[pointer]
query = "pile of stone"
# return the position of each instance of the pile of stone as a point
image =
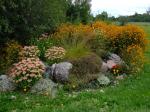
(59, 73)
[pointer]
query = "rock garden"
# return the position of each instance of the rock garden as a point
(73, 58)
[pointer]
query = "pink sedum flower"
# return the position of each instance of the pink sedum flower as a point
(55, 53)
(27, 71)
(29, 52)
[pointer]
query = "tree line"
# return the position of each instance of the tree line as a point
(145, 17)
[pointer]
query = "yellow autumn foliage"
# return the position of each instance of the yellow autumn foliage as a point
(121, 37)
(134, 57)
(9, 55)
(128, 41)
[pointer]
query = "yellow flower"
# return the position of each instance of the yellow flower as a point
(73, 86)
(117, 71)
(46, 94)
(24, 89)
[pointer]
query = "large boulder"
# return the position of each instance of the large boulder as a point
(60, 72)
(112, 60)
(45, 87)
(110, 64)
(6, 84)
(116, 59)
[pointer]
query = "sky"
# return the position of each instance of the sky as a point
(120, 7)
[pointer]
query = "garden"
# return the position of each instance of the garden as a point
(75, 58)
(73, 66)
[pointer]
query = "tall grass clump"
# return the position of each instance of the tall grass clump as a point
(80, 39)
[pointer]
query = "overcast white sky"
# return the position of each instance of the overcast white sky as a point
(120, 7)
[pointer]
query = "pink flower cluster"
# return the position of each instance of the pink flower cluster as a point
(55, 53)
(29, 52)
(27, 70)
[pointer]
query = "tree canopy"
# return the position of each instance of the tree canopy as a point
(78, 11)
(22, 19)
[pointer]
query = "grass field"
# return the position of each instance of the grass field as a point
(131, 95)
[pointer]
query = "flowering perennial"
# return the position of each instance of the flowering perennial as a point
(29, 52)
(136, 57)
(55, 53)
(26, 72)
(116, 70)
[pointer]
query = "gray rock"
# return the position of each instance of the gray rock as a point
(116, 59)
(60, 72)
(103, 80)
(104, 67)
(45, 87)
(6, 84)
(110, 64)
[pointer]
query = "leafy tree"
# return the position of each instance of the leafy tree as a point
(135, 18)
(123, 20)
(22, 19)
(112, 18)
(85, 11)
(103, 16)
(78, 11)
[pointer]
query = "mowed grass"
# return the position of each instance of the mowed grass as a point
(131, 95)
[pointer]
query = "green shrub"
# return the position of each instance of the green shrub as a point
(85, 69)
(76, 52)
(29, 18)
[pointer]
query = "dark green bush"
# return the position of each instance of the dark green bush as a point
(22, 19)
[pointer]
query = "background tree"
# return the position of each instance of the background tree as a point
(22, 19)
(123, 20)
(103, 16)
(79, 11)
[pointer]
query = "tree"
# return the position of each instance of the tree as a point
(123, 20)
(79, 11)
(103, 16)
(22, 19)
(85, 11)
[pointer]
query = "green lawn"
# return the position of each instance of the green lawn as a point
(131, 95)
